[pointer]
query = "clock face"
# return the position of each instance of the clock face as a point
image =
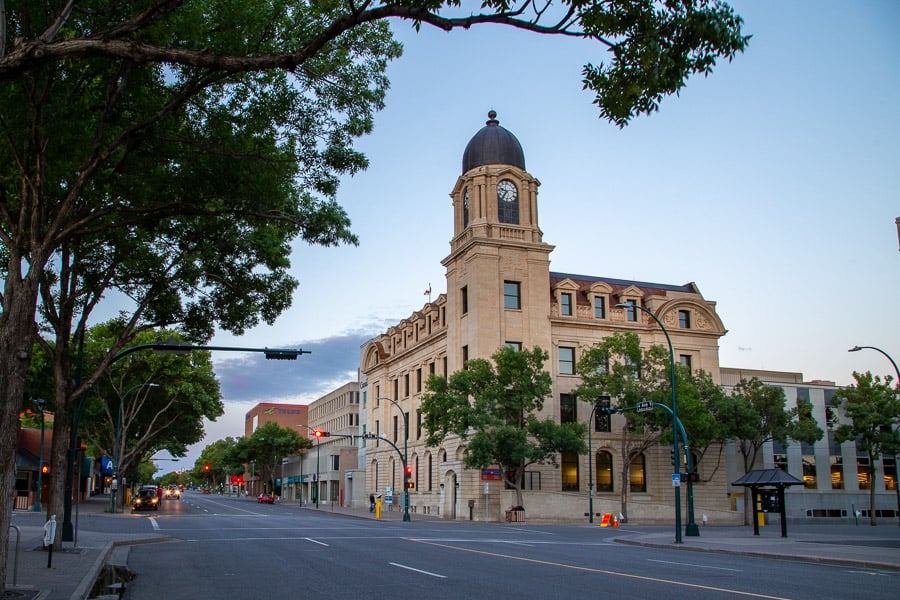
(506, 191)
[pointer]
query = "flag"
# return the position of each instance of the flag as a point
(428, 291)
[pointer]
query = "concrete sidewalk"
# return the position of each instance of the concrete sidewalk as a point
(861, 546)
(73, 572)
(32, 573)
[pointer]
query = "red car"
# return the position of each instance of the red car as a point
(265, 499)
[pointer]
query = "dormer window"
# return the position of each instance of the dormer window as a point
(599, 307)
(631, 310)
(565, 304)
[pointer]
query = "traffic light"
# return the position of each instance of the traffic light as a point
(45, 469)
(281, 354)
(409, 470)
(206, 467)
(320, 434)
(672, 456)
(410, 485)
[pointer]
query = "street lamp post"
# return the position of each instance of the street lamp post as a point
(405, 416)
(677, 466)
(117, 450)
(897, 371)
(37, 501)
(590, 465)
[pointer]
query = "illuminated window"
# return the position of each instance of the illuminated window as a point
(569, 471)
(837, 473)
(637, 479)
(604, 471)
(809, 472)
(863, 474)
(889, 465)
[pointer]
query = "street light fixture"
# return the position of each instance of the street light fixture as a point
(405, 416)
(897, 371)
(677, 462)
(37, 501)
(117, 449)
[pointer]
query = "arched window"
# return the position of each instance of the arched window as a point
(604, 471)
(508, 202)
(637, 476)
(466, 207)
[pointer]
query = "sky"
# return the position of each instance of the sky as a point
(772, 184)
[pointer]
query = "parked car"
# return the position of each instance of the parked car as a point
(145, 499)
(173, 492)
(265, 499)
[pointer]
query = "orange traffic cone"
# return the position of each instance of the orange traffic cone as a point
(615, 521)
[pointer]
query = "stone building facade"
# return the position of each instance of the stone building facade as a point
(501, 291)
(325, 473)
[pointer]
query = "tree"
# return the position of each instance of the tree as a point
(618, 369)
(873, 408)
(266, 447)
(167, 417)
(493, 407)
(215, 460)
(754, 414)
(235, 118)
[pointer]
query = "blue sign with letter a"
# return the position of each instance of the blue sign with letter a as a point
(106, 465)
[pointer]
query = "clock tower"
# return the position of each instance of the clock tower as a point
(498, 270)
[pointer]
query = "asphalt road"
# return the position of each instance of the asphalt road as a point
(221, 547)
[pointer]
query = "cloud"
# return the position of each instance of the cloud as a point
(332, 362)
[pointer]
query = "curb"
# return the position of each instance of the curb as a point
(87, 582)
(839, 562)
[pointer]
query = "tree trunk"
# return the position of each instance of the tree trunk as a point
(16, 339)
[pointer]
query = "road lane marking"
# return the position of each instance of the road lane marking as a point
(418, 570)
(154, 524)
(605, 572)
(315, 542)
(693, 565)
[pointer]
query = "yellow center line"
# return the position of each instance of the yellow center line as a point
(604, 572)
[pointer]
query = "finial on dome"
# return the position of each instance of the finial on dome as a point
(492, 118)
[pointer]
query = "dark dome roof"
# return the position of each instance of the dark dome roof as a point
(493, 145)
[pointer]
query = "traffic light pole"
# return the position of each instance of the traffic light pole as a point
(691, 530)
(372, 436)
(68, 531)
